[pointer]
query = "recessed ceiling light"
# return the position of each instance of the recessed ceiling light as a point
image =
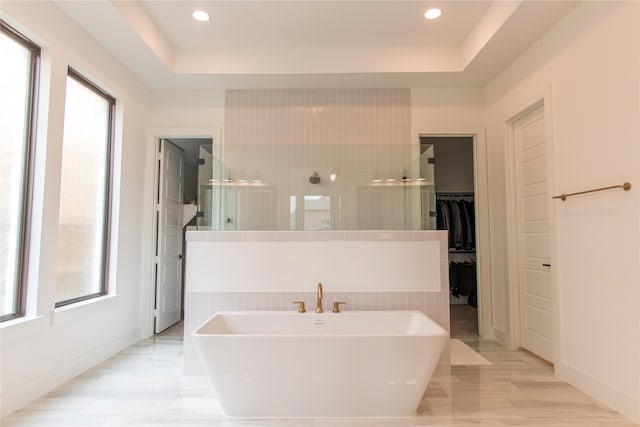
(200, 15)
(432, 13)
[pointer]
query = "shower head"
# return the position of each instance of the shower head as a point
(314, 178)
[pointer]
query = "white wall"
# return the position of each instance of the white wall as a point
(454, 164)
(589, 63)
(446, 111)
(49, 347)
(362, 261)
(187, 109)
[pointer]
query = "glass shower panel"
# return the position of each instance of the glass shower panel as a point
(205, 174)
(428, 189)
(317, 213)
(318, 187)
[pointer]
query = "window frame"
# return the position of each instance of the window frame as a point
(20, 294)
(108, 190)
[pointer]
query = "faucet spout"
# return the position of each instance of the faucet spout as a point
(319, 304)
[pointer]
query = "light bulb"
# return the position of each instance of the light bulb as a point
(432, 13)
(200, 15)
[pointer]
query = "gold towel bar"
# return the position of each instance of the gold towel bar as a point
(626, 187)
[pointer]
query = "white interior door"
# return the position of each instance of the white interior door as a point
(168, 295)
(536, 334)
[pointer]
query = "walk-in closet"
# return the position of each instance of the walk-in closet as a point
(455, 212)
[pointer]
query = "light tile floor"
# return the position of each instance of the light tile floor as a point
(143, 386)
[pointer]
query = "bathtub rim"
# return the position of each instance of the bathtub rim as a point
(439, 330)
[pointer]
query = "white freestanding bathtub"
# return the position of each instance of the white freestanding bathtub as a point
(349, 364)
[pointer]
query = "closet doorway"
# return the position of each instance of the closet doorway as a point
(456, 212)
(181, 171)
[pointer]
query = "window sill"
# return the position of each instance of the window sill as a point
(104, 299)
(23, 328)
(19, 321)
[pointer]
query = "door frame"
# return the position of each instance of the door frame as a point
(518, 111)
(483, 247)
(164, 146)
(149, 234)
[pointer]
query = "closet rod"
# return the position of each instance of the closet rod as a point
(454, 194)
(626, 187)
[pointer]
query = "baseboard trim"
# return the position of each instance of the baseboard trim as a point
(619, 401)
(26, 393)
(501, 337)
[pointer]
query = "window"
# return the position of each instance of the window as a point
(18, 77)
(84, 192)
(317, 213)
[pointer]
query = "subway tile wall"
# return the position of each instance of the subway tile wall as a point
(199, 306)
(318, 116)
(280, 137)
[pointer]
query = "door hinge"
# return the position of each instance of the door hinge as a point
(201, 161)
(431, 160)
(155, 312)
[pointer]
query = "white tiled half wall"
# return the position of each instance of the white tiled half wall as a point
(200, 306)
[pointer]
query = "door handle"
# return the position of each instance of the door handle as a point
(546, 265)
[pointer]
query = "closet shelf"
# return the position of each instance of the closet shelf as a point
(462, 251)
(454, 194)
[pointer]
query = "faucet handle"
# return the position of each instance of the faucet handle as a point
(301, 308)
(336, 306)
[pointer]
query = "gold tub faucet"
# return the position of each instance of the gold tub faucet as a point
(319, 305)
(301, 308)
(336, 306)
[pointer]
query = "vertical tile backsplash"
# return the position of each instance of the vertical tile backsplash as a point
(318, 116)
(199, 306)
(274, 140)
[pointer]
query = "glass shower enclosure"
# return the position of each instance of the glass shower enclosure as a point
(316, 187)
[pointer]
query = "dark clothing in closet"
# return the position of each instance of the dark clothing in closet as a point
(458, 217)
(463, 281)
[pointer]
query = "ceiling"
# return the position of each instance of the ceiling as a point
(242, 24)
(315, 43)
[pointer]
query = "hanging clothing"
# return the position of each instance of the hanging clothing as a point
(463, 281)
(469, 224)
(457, 216)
